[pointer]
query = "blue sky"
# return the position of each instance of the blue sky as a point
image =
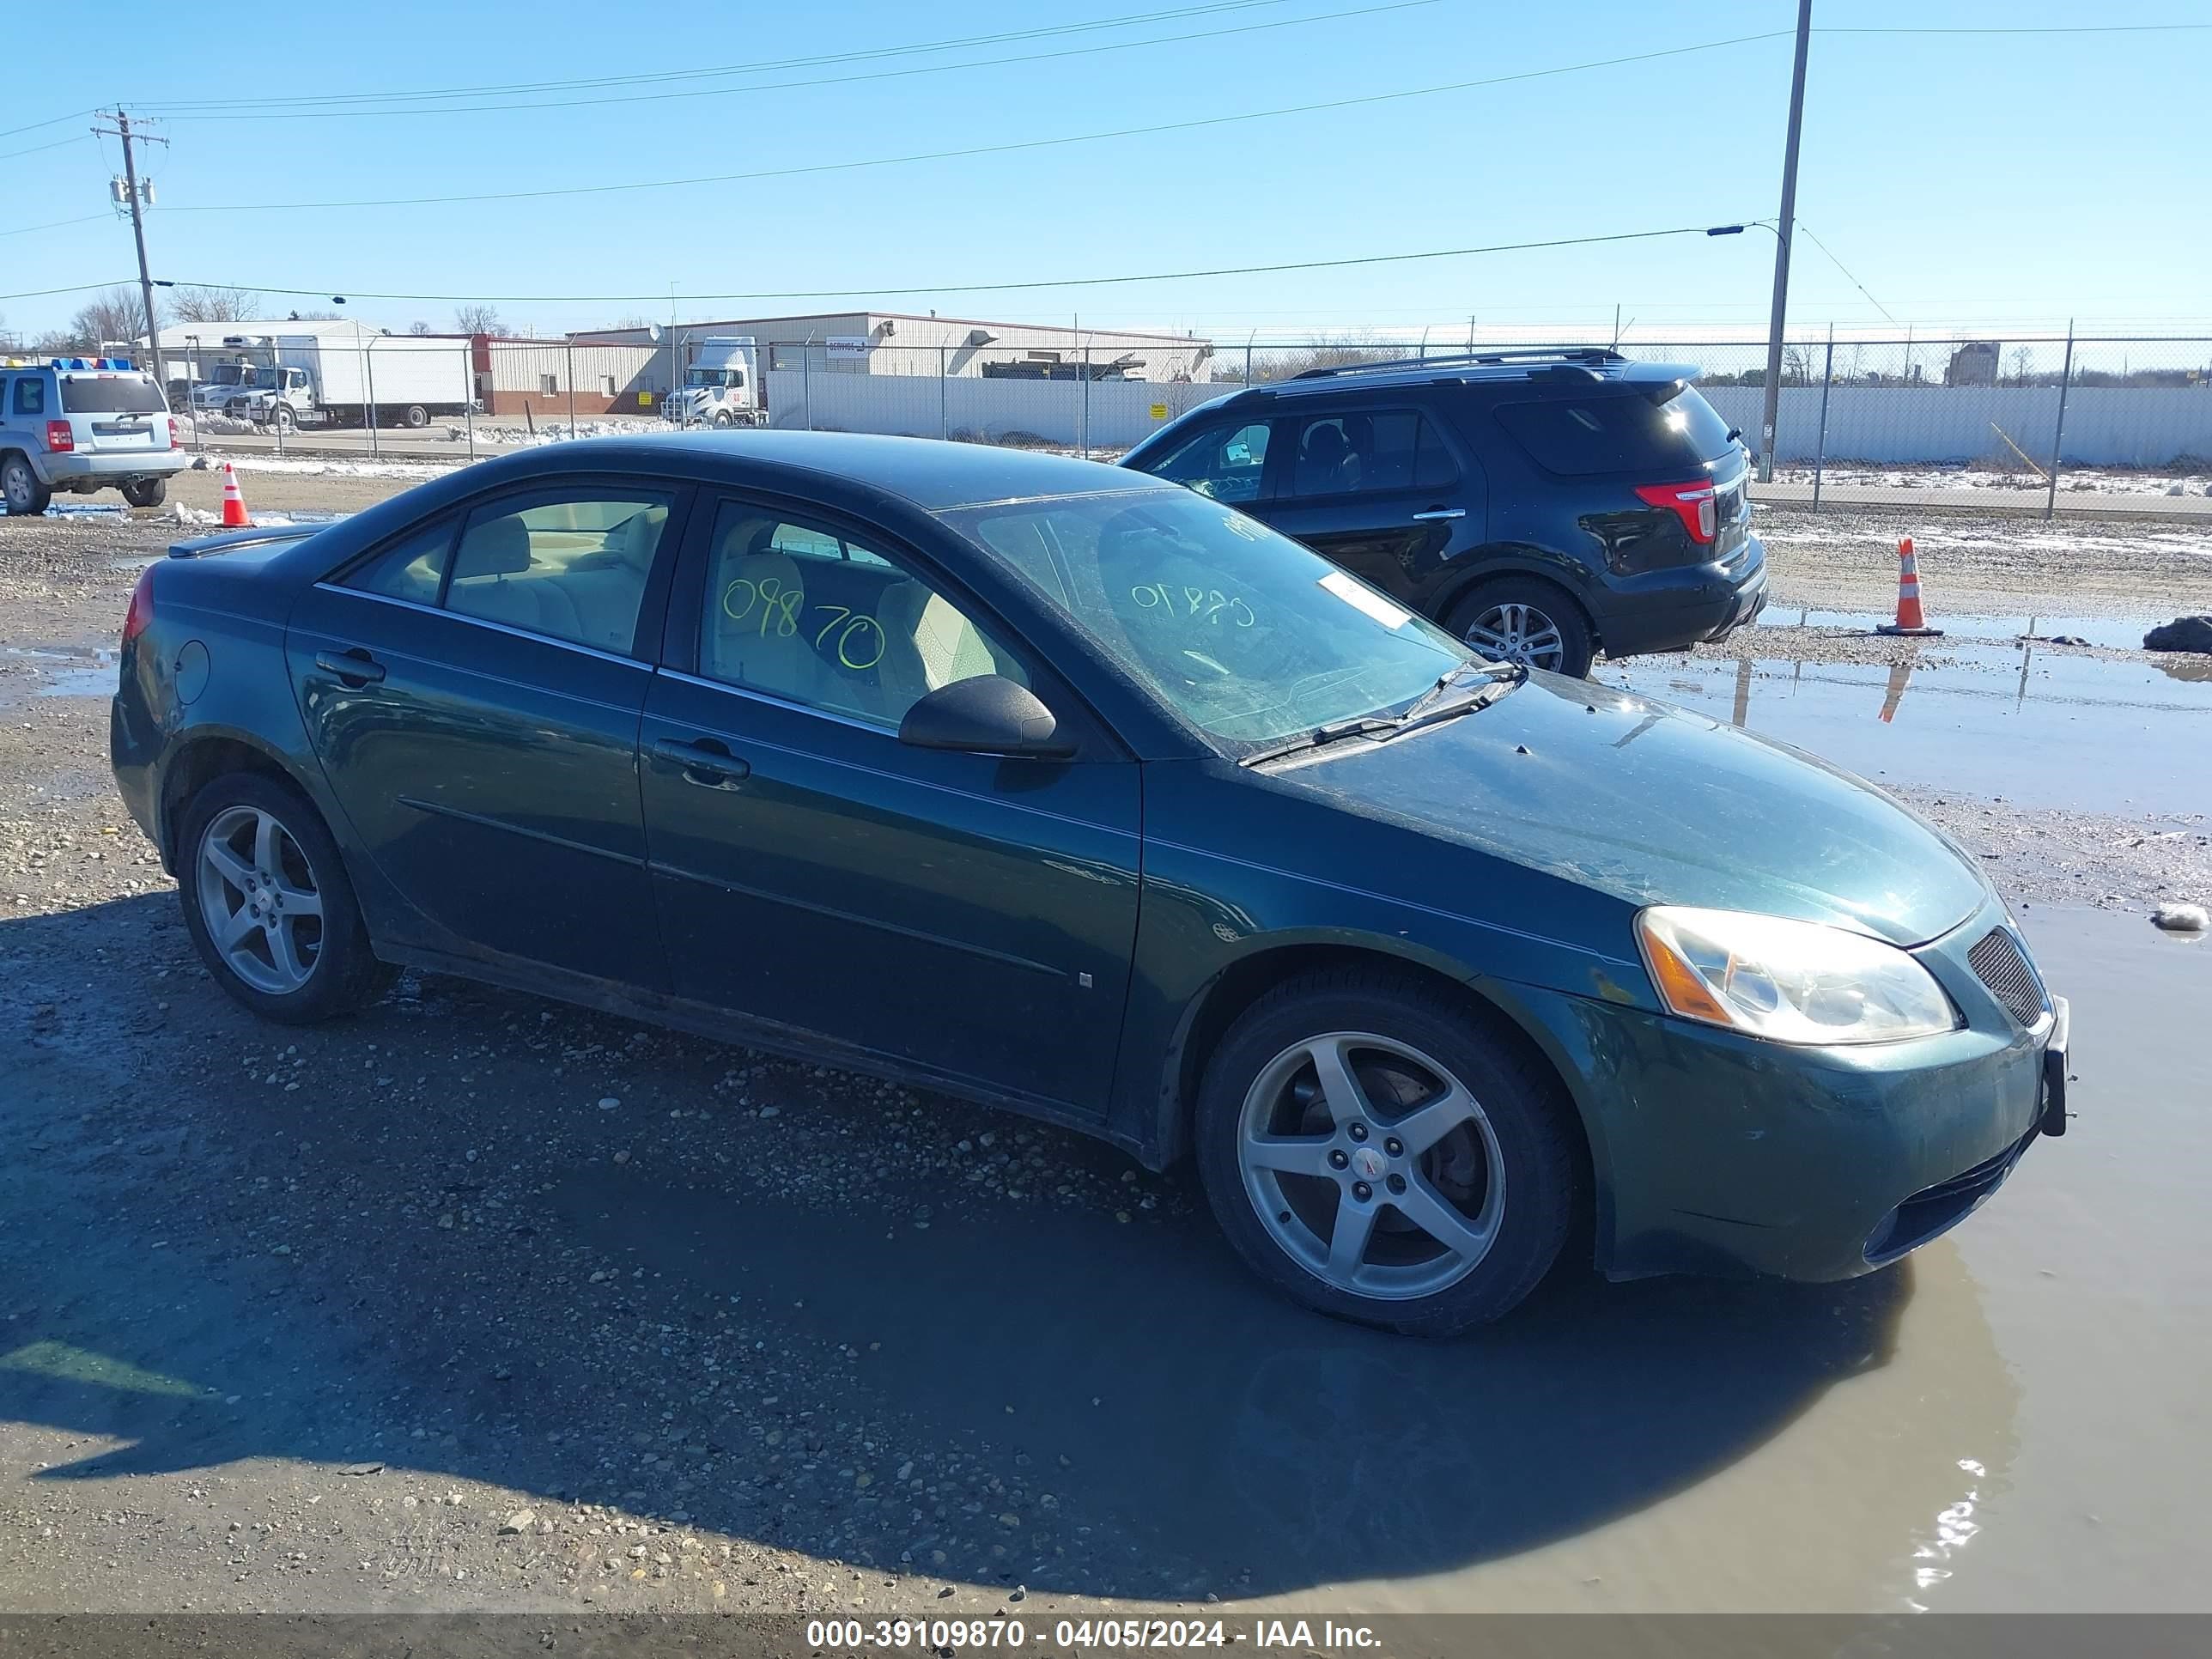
(2012, 180)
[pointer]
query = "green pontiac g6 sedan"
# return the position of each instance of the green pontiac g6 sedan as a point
(1055, 788)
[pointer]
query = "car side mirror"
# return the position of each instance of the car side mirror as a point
(989, 714)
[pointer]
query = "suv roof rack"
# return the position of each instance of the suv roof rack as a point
(1584, 354)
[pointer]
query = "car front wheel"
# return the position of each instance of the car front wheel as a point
(1527, 622)
(268, 905)
(1371, 1149)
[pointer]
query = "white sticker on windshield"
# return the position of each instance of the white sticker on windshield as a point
(1360, 598)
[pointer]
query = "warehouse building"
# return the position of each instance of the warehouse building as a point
(902, 343)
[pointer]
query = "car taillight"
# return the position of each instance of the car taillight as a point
(61, 437)
(1693, 503)
(140, 616)
(173, 432)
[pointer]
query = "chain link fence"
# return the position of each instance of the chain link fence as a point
(2037, 425)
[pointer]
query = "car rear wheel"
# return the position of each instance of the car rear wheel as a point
(146, 492)
(20, 489)
(1372, 1150)
(268, 905)
(1521, 619)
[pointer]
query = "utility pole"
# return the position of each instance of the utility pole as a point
(1783, 232)
(122, 130)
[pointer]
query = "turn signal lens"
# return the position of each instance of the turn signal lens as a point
(1788, 982)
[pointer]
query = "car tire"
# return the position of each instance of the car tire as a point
(25, 496)
(322, 965)
(146, 492)
(1489, 1202)
(1527, 620)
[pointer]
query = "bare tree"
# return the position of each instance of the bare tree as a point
(2021, 357)
(118, 313)
(418, 326)
(475, 319)
(215, 305)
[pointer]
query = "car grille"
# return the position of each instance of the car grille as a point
(2000, 963)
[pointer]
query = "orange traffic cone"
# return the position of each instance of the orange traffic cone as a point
(235, 515)
(1908, 617)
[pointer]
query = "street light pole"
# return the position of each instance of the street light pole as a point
(1784, 231)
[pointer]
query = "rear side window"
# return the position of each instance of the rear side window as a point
(1367, 451)
(1625, 432)
(412, 568)
(126, 394)
(30, 396)
(570, 565)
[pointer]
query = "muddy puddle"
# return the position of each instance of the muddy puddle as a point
(55, 672)
(2011, 1419)
(2038, 726)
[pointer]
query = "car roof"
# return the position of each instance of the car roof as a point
(928, 472)
(1550, 370)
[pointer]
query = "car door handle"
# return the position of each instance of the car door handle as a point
(705, 762)
(1437, 512)
(355, 667)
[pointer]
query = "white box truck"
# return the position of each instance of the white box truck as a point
(399, 380)
(720, 388)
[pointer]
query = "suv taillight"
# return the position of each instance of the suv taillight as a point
(1694, 503)
(61, 437)
(173, 432)
(140, 616)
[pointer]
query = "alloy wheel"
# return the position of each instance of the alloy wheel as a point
(1518, 633)
(259, 900)
(1371, 1165)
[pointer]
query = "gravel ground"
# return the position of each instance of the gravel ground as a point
(477, 1301)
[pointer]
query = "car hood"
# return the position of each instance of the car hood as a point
(1655, 805)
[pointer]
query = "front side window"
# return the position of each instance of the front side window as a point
(569, 566)
(1224, 462)
(809, 616)
(30, 396)
(1247, 635)
(1367, 452)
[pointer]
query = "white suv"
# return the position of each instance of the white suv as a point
(78, 425)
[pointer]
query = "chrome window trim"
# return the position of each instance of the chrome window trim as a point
(487, 623)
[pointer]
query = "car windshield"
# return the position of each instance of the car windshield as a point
(1247, 635)
(111, 394)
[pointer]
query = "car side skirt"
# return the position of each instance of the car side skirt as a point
(743, 1030)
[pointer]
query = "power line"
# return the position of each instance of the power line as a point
(45, 293)
(77, 138)
(51, 121)
(822, 81)
(1841, 266)
(995, 288)
(1196, 123)
(54, 224)
(2053, 29)
(760, 67)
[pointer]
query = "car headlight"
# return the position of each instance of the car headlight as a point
(1789, 981)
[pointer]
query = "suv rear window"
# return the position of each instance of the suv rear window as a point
(1624, 432)
(121, 394)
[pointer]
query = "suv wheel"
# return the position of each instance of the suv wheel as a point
(1373, 1151)
(21, 487)
(1521, 619)
(268, 905)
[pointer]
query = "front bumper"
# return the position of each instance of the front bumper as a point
(91, 469)
(1719, 1153)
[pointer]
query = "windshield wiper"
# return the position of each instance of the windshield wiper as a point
(1502, 678)
(1320, 736)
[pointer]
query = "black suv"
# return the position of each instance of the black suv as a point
(1543, 506)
